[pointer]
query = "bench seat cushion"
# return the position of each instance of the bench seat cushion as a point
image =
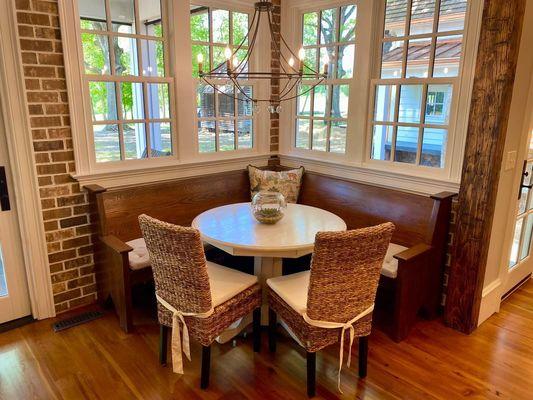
(138, 257)
(390, 264)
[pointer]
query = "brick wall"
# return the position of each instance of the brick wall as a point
(274, 84)
(65, 207)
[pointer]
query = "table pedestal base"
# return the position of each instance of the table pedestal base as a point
(265, 268)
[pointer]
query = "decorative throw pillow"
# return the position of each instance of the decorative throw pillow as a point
(285, 182)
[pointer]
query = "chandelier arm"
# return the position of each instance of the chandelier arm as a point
(248, 98)
(277, 47)
(301, 94)
(285, 87)
(251, 41)
(285, 94)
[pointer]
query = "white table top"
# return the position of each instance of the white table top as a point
(233, 229)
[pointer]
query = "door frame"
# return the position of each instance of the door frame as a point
(21, 158)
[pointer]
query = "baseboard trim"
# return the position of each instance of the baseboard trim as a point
(16, 323)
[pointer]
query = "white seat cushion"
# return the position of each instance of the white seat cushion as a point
(292, 289)
(390, 264)
(226, 283)
(138, 257)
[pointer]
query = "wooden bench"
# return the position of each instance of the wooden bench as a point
(421, 226)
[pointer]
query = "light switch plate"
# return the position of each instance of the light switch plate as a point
(510, 162)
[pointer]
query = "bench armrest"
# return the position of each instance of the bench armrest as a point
(115, 244)
(413, 252)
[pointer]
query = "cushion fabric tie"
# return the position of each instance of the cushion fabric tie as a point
(344, 326)
(176, 344)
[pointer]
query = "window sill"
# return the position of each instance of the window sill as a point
(177, 170)
(418, 183)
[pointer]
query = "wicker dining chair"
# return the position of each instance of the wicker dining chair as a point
(201, 297)
(335, 296)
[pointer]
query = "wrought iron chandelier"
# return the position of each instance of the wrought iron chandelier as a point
(292, 69)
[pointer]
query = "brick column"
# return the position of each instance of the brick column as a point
(274, 83)
(64, 206)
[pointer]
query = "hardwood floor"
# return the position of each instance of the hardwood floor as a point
(98, 361)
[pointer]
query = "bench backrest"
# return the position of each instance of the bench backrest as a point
(416, 217)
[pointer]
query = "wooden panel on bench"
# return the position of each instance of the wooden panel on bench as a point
(177, 202)
(363, 205)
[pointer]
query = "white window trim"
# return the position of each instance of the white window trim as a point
(356, 163)
(186, 157)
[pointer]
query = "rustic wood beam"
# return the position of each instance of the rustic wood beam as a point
(489, 112)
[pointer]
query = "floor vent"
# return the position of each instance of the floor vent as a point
(77, 320)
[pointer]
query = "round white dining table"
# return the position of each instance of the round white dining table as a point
(233, 228)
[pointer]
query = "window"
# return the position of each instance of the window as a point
(126, 78)
(421, 50)
(328, 36)
(225, 123)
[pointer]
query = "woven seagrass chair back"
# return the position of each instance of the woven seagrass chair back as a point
(178, 263)
(345, 271)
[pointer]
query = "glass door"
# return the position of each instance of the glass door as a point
(14, 298)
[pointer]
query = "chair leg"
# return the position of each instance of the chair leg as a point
(257, 329)
(163, 343)
(206, 366)
(363, 356)
(311, 374)
(272, 324)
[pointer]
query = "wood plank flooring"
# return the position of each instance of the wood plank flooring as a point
(98, 361)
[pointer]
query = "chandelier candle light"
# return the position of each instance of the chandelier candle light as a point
(290, 74)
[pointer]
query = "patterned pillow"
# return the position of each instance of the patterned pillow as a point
(285, 182)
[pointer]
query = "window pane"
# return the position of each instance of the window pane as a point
(452, 15)
(96, 54)
(226, 135)
(245, 129)
(123, 16)
(392, 59)
(448, 56)
(327, 54)
(434, 147)
(310, 29)
(244, 105)
(200, 25)
(158, 101)
(345, 61)
(337, 141)
(320, 134)
(385, 103)
(153, 57)
(516, 242)
(302, 133)
(381, 142)
(3, 283)
(422, 15)
(92, 14)
(106, 143)
(206, 66)
(126, 62)
(240, 28)
(304, 100)
(410, 103)
(205, 103)
(135, 141)
(406, 144)
(522, 202)
(526, 240)
(150, 18)
(132, 100)
(160, 139)
(347, 24)
(395, 14)
(242, 65)
(438, 104)
(310, 61)
(221, 25)
(328, 32)
(320, 102)
(418, 58)
(226, 103)
(103, 101)
(339, 101)
(219, 59)
(206, 136)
